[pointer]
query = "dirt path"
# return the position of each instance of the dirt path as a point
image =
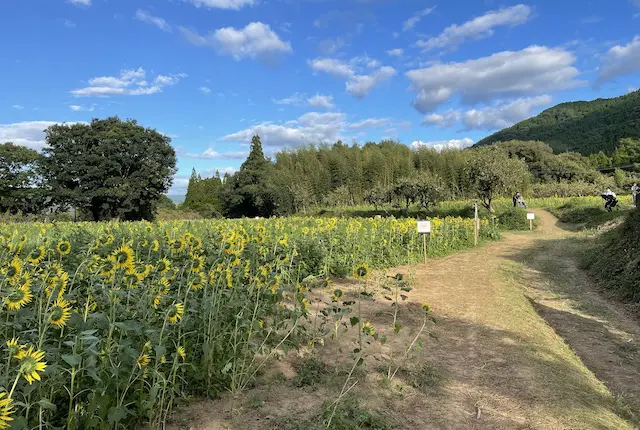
(525, 342)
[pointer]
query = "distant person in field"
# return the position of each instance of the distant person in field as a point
(635, 189)
(518, 201)
(610, 200)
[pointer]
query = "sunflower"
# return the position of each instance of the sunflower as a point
(31, 362)
(6, 410)
(124, 257)
(175, 313)
(58, 282)
(176, 245)
(108, 267)
(14, 270)
(163, 265)
(60, 312)
(64, 247)
(36, 256)
(156, 301)
(361, 271)
(14, 346)
(143, 360)
(155, 246)
(18, 297)
(199, 281)
(197, 263)
(181, 353)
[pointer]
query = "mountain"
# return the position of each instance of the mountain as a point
(584, 127)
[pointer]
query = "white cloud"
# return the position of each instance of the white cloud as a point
(210, 154)
(26, 133)
(370, 123)
(80, 2)
(533, 70)
(222, 4)
(411, 22)
(331, 46)
(130, 82)
(295, 99)
(78, 108)
(205, 90)
(440, 145)
(443, 120)
(358, 85)
(145, 16)
(18, 107)
(361, 85)
(621, 60)
(321, 101)
(505, 114)
(478, 28)
(255, 40)
(395, 52)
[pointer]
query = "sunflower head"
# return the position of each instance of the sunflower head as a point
(64, 247)
(6, 410)
(18, 297)
(175, 313)
(37, 255)
(109, 266)
(124, 257)
(14, 270)
(198, 281)
(155, 246)
(31, 364)
(361, 271)
(143, 360)
(176, 245)
(60, 312)
(197, 263)
(181, 353)
(163, 266)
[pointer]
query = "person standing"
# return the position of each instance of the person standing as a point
(516, 198)
(635, 189)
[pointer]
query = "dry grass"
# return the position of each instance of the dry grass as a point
(500, 361)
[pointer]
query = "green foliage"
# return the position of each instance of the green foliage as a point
(20, 181)
(571, 189)
(589, 212)
(493, 173)
(585, 127)
(109, 168)
(350, 414)
(310, 371)
(628, 152)
(615, 261)
(203, 196)
(513, 219)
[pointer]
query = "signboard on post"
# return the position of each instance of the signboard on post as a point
(531, 216)
(424, 228)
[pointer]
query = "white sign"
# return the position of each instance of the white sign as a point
(424, 226)
(531, 216)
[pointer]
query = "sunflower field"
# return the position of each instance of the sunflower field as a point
(108, 325)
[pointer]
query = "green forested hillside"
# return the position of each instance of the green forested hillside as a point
(585, 127)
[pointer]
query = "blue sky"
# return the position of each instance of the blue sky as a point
(211, 73)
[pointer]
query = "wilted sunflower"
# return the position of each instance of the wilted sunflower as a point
(37, 255)
(143, 360)
(60, 312)
(163, 265)
(64, 247)
(124, 257)
(175, 313)
(6, 410)
(18, 297)
(31, 362)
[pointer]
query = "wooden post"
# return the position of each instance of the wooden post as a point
(530, 225)
(424, 247)
(476, 225)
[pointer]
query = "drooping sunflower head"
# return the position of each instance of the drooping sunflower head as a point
(57, 283)
(6, 410)
(32, 364)
(198, 281)
(197, 263)
(64, 247)
(37, 255)
(155, 245)
(19, 297)
(109, 266)
(181, 353)
(143, 360)
(60, 312)
(175, 313)
(124, 257)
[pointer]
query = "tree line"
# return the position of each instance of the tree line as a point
(111, 168)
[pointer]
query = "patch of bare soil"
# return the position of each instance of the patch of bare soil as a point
(500, 361)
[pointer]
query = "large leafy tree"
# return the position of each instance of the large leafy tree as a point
(20, 180)
(250, 192)
(109, 168)
(493, 173)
